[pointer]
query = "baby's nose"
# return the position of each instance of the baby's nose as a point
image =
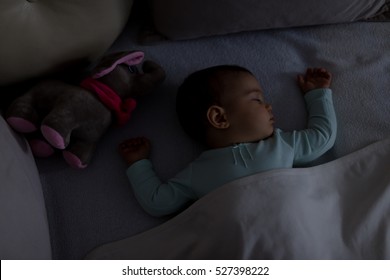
(268, 107)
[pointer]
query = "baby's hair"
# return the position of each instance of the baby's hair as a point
(197, 93)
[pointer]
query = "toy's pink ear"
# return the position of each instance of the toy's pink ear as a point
(133, 58)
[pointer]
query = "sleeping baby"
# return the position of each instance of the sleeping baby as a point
(223, 107)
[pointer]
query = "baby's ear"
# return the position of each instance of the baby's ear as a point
(217, 117)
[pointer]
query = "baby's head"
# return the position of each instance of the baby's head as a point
(223, 105)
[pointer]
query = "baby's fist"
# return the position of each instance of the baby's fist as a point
(314, 78)
(135, 149)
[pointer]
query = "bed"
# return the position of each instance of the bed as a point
(337, 208)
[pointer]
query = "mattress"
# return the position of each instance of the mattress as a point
(94, 206)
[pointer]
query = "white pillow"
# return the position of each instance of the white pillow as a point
(24, 230)
(185, 19)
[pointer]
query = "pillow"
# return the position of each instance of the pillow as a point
(185, 19)
(45, 37)
(24, 230)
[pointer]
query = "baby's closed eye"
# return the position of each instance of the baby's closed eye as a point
(259, 100)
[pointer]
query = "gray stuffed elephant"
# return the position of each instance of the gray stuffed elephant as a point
(73, 118)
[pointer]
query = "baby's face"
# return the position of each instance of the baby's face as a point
(250, 117)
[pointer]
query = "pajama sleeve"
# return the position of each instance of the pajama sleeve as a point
(320, 135)
(158, 198)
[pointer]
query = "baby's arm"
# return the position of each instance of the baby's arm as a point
(320, 134)
(157, 198)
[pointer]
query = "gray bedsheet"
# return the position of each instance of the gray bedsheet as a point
(91, 207)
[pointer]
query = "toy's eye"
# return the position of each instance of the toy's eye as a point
(133, 69)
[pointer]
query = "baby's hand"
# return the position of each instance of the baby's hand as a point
(314, 78)
(135, 149)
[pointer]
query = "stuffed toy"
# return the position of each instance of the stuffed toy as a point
(73, 118)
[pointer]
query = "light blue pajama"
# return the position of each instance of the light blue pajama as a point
(215, 167)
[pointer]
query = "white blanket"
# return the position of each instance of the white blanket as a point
(338, 210)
